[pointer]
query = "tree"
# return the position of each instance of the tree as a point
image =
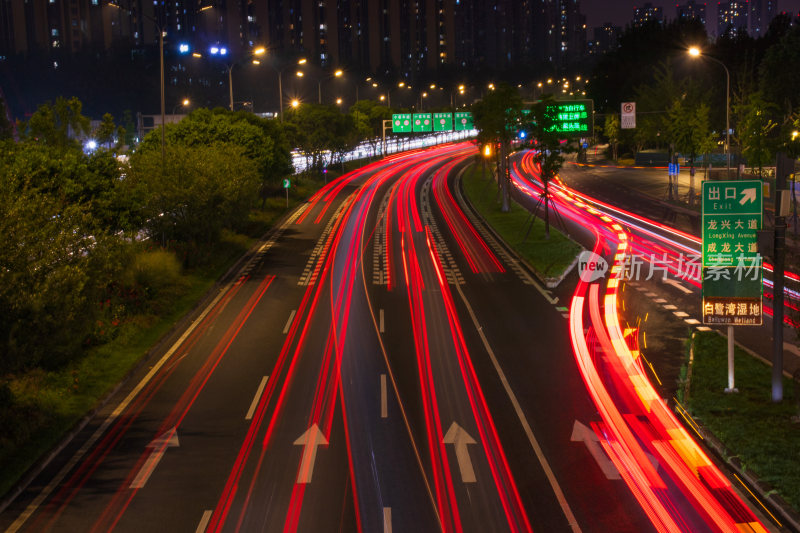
(368, 117)
(779, 74)
(541, 123)
(611, 129)
(263, 141)
(55, 263)
(497, 117)
(6, 128)
(320, 128)
(199, 191)
(60, 124)
(108, 135)
(755, 131)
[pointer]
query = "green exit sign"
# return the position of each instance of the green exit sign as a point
(463, 121)
(442, 122)
(401, 123)
(423, 122)
(732, 266)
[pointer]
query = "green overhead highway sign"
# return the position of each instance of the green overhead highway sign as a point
(442, 122)
(423, 122)
(463, 121)
(732, 217)
(573, 117)
(401, 123)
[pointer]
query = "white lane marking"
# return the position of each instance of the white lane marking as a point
(660, 301)
(159, 445)
(201, 527)
(387, 520)
(384, 402)
(651, 295)
(680, 314)
(381, 320)
(551, 478)
(459, 438)
(678, 286)
(310, 441)
(670, 307)
(582, 433)
(691, 321)
(44, 494)
(703, 328)
(289, 322)
(256, 398)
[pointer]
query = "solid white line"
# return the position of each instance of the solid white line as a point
(111, 418)
(387, 520)
(384, 406)
(201, 527)
(559, 493)
(289, 322)
(677, 285)
(257, 397)
(381, 320)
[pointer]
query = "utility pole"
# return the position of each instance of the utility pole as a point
(784, 166)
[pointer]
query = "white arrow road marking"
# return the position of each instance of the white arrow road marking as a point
(387, 520)
(678, 286)
(384, 403)
(748, 195)
(457, 436)
(168, 439)
(289, 322)
(201, 527)
(257, 397)
(582, 433)
(312, 438)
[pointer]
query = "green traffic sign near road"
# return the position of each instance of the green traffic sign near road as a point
(732, 216)
(442, 122)
(574, 117)
(463, 121)
(286, 183)
(401, 123)
(423, 122)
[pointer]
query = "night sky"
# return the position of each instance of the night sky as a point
(620, 12)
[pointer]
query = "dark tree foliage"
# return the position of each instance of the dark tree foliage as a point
(619, 73)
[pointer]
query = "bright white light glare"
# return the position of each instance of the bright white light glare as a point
(183, 48)
(214, 50)
(223, 51)
(91, 145)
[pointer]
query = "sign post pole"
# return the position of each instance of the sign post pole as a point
(286, 185)
(732, 273)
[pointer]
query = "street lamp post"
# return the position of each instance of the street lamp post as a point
(161, 66)
(257, 52)
(696, 52)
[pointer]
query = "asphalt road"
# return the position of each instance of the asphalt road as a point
(382, 363)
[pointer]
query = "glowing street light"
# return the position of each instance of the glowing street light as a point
(696, 52)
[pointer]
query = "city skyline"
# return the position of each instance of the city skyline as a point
(620, 12)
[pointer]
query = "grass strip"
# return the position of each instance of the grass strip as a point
(764, 435)
(550, 258)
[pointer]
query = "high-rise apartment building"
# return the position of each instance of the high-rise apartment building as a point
(692, 11)
(606, 39)
(732, 17)
(761, 13)
(401, 37)
(647, 13)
